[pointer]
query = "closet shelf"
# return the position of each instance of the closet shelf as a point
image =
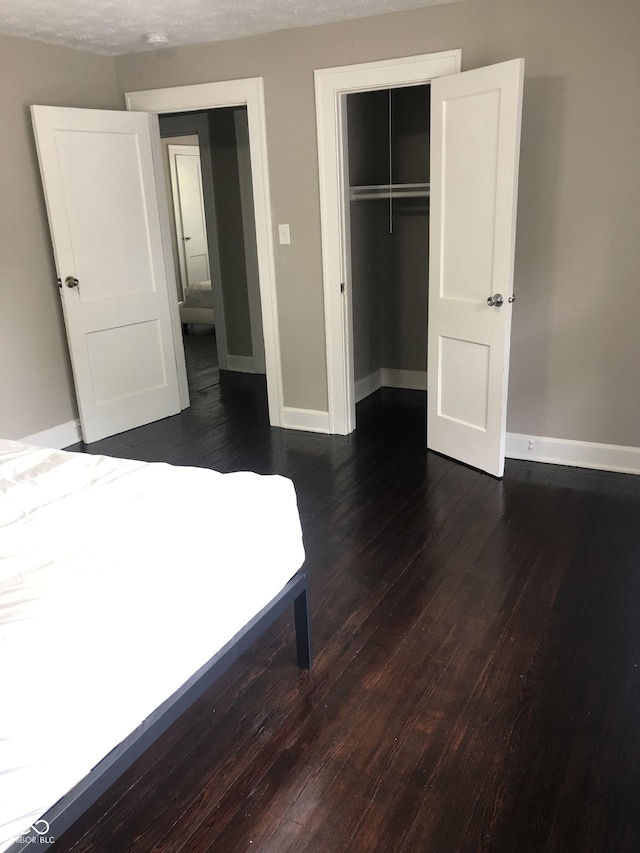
(389, 191)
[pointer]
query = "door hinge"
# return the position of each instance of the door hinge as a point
(342, 287)
(59, 281)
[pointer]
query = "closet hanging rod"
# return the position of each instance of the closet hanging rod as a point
(416, 190)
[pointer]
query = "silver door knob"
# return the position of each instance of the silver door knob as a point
(495, 301)
(70, 281)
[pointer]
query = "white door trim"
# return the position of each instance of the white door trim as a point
(332, 85)
(230, 93)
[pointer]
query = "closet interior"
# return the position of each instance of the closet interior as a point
(388, 169)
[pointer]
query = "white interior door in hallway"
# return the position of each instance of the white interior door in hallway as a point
(188, 202)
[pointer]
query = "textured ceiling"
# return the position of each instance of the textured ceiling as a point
(114, 27)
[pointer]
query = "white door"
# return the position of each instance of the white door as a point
(475, 144)
(188, 200)
(100, 189)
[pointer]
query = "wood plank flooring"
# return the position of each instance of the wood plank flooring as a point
(477, 676)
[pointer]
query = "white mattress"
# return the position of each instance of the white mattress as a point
(107, 606)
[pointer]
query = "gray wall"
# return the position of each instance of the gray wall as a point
(233, 266)
(36, 391)
(404, 292)
(575, 356)
(389, 275)
(366, 259)
(389, 243)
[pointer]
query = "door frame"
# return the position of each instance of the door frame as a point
(236, 93)
(332, 85)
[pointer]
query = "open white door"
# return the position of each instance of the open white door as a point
(100, 189)
(188, 201)
(475, 144)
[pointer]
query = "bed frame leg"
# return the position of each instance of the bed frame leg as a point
(302, 619)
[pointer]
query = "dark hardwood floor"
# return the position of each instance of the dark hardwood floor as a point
(477, 677)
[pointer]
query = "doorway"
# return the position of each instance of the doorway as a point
(388, 180)
(247, 93)
(333, 87)
(213, 227)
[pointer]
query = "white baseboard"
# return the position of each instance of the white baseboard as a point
(580, 454)
(389, 377)
(368, 385)
(412, 380)
(309, 420)
(241, 364)
(57, 437)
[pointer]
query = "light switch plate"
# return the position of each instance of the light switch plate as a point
(284, 234)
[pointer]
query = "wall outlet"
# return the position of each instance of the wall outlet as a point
(530, 445)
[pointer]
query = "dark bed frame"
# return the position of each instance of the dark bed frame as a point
(59, 817)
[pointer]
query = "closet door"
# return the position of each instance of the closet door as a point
(475, 143)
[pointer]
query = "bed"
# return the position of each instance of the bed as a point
(197, 305)
(111, 623)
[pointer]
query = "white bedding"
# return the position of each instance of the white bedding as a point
(106, 609)
(198, 295)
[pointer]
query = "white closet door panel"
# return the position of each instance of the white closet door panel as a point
(475, 142)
